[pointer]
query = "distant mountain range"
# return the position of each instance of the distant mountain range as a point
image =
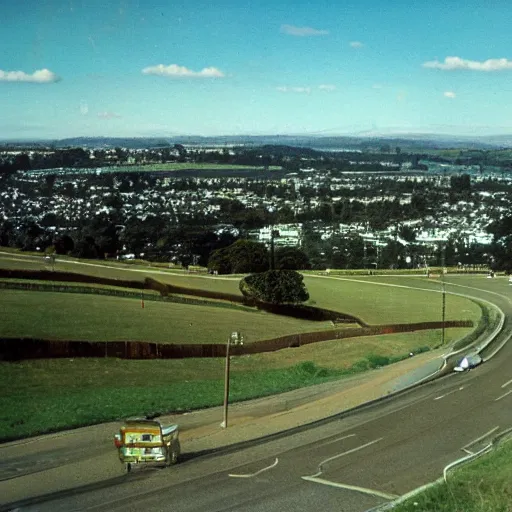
(332, 143)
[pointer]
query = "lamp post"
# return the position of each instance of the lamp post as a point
(443, 288)
(236, 338)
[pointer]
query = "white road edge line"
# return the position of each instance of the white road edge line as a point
(343, 454)
(503, 396)
(507, 383)
(483, 436)
(364, 490)
(250, 475)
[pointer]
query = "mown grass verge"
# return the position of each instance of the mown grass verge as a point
(485, 485)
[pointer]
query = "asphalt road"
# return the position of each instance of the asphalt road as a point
(351, 463)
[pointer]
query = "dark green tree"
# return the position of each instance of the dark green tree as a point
(275, 286)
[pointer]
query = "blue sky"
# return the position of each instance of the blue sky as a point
(155, 68)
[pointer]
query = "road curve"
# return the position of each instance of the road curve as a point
(351, 463)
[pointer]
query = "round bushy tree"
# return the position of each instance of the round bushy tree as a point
(275, 286)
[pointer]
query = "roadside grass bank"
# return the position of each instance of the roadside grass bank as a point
(484, 485)
(40, 396)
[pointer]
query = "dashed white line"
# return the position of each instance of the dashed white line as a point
(503, 396)
(449, 393)
(507, 383)
(336, 440)
(250, 475)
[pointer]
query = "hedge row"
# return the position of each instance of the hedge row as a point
(14, 349)
(166, 289)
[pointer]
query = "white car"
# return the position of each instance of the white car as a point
(468, 362)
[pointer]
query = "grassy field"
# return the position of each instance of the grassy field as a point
(73, 316)
(482, 486)
(114, 270)
(362, 297)
(184, 166)
(383, 304)
(63, 393)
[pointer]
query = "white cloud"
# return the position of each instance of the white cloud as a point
(84, 107)
(356, 44)
(292, 30)
(108, 115)
(449, 94)
(455, 63)
(327, 87)
(298, 90)
(175, 71)
(41, 76)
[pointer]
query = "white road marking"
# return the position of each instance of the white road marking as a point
(364, 490)
(507, 383)
(343, 454)
(336, 440)
(449, 393)
(503, 396)
(483, 436)
(250, 475)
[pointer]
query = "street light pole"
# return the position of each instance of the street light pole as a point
(443, 286)
(224, 424)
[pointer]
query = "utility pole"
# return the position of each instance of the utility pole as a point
(443, 287)
(224, 423)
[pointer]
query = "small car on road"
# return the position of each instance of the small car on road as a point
(147, 442)
(467, 362)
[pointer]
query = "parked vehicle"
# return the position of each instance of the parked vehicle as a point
(147, 442)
